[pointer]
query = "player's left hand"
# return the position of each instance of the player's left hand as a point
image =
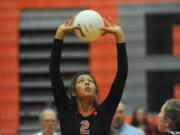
(113, 29)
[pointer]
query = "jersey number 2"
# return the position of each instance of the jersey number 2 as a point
(84, 127)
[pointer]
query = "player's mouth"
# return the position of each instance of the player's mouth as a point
(88, 89)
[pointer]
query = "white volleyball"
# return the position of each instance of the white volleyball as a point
(90, 23)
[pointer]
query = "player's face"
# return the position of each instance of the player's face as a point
(163, 125)
(85, 86)
(48, 123)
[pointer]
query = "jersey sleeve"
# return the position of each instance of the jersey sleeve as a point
(59, 93)
(111, 102)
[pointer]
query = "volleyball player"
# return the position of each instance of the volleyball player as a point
(81, 114)
(169, 117)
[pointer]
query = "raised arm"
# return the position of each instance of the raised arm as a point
(111, 102)
(59, 93)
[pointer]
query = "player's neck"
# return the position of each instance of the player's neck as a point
(85, 106)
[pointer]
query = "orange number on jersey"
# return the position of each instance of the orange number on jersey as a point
(84, 127)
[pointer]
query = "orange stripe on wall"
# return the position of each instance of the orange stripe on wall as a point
(9, 67)
(9, 95)
(177, 91)
(66, 3)
(9, 80)
(12, 51)
(11, 37)
(54, 3)
(146, 1)
(176, 51)
(176, 40)
(103, 51)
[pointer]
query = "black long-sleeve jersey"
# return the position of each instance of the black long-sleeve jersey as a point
(72, 122)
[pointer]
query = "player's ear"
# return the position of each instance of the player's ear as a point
(168, 123)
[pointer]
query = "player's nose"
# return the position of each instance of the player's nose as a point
(86, 83)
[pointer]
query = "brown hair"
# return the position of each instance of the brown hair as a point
(72, 87)
(134, 119)
(172, 112)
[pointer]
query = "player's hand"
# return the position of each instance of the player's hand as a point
(65, 28)
(113, 29)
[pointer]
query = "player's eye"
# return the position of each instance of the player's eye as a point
(91, 81)
(80, 81)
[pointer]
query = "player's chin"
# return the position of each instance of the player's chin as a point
(88, 94)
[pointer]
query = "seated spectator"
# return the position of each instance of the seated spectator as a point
(140, 120)
(119, 127)
(47, 122)
(169, 117)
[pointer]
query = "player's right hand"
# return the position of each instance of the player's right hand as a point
(65, 28)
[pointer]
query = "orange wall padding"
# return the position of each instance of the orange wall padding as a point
(9, 67)
(103, 51)
(176, 52)
(176, 40)
(177, 91)
(146, 1)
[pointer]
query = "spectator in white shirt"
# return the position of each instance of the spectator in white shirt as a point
(119, 127)
(47, 122)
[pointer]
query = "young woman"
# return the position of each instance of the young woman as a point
(169, 117)
(140, 120)
(81, 115)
